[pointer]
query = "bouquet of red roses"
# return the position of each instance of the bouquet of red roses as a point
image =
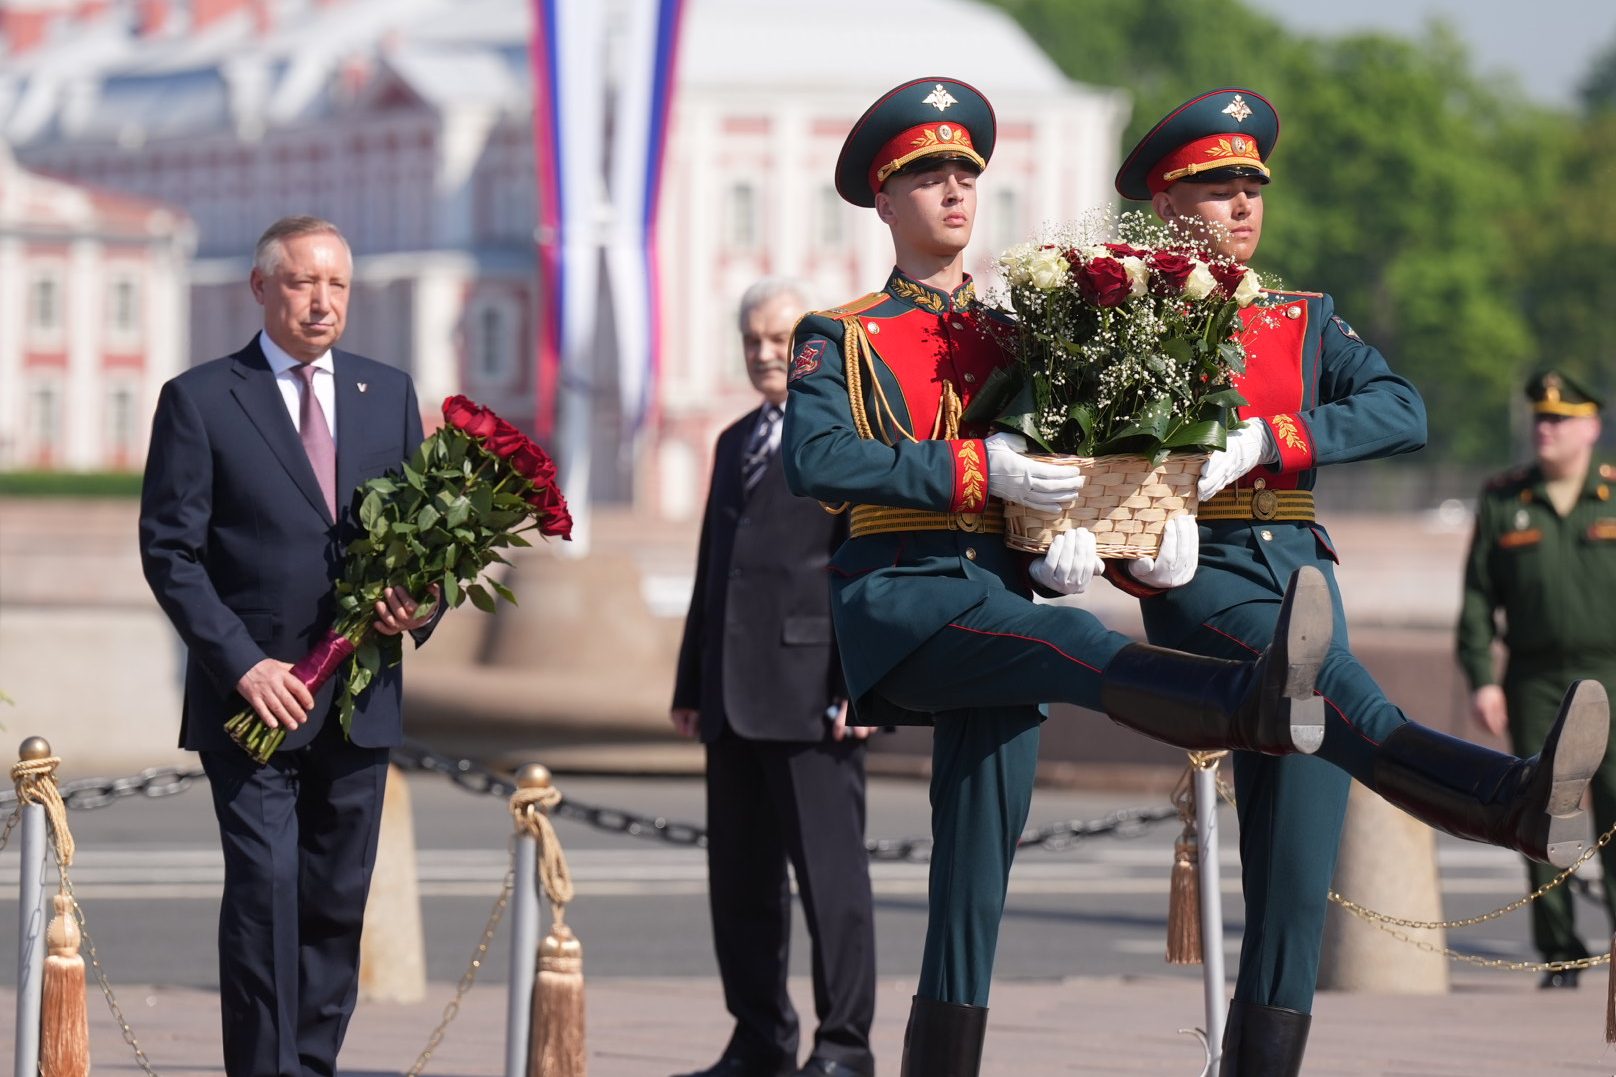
(474, 487)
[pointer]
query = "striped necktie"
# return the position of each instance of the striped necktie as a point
(760, 446)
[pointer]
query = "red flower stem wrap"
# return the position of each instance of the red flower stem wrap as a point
(322, 663)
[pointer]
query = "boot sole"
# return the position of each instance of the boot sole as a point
(1573, 751)
(1306, 624)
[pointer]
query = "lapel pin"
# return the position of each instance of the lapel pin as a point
(363, 386)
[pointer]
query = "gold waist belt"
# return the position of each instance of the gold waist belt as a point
(880, 519)
(1258, 503)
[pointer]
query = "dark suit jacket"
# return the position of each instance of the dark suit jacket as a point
(235, 538)
(758, 651)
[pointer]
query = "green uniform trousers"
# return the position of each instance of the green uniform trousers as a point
(1533, 697)
(1291, 808)
(984, 676)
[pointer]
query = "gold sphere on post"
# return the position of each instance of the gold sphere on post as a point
(533, 776)
(34, 748)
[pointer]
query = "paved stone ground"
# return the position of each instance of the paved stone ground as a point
(1488, 1025)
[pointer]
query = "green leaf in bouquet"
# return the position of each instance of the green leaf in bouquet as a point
(482, 501)
(480, 597)
(1083, 416)
(1178, 348)
(1223, 398)
(455, 450)
(382, 485)
(370, 510)
(517, 540)
(504, 592)
(1196, 435)
(348, 603)
(451, 589)
(1151, 422)
(459, 509)
(994, 396)
(345, 709)
(426, 518)
(1233, 355)
(414, 476)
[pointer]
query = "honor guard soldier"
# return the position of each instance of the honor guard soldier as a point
(933, 612)
(1544, 553)
(1318, 395)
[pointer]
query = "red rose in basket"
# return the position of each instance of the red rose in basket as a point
(474, 487)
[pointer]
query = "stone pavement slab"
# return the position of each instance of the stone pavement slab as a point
(1490, 1024)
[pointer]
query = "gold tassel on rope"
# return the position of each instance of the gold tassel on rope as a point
(64, 1040)
(559, 1048)
(64, 1033)
(1184, 895)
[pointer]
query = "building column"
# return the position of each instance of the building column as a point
(83, 395)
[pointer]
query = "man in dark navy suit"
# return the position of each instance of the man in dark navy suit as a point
(760, 682)
(244, 514)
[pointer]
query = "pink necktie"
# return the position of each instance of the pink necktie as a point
(315, 433)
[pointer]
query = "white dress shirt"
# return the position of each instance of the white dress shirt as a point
(325, 383)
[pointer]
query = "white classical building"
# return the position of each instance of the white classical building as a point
(93, 302)
(409, 123)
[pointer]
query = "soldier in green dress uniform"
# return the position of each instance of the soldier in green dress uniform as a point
(1318, 395)
(1544, 553)
(933, 610)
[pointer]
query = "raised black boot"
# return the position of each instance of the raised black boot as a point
(1263, 1041)
(944, 1039)
(1208, 703)
(1533, 806)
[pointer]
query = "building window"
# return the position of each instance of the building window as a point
(123, 307)
(44, 423)
(1007, 230)
(121, 422)
(45, 306)
(743, 211)
(832, 219)
(494, 323)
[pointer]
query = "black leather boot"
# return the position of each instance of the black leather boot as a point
(944, 1039)
(1208, 703)
(1533, 806)
(1263, 1041)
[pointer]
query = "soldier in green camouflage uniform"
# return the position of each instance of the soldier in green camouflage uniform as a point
(1544, 553)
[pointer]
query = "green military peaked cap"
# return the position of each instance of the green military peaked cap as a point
(1218, 135)
(929, 117)
(1554, 392)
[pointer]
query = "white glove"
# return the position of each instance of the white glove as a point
(1071, 563)
(1245, 449)
(1014, 477)
(1174, 563)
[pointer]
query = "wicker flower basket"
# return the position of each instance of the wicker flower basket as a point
(1126, 502)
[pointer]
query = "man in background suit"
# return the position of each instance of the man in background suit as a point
(245, 511)
(759, 681)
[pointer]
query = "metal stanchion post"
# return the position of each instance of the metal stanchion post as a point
(1206, 828)
(524, 938)
(32, 920)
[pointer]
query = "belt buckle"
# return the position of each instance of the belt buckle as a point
(1264, 502)
(966, 521)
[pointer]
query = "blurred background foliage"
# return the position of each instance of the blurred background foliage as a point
(1468, 233)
